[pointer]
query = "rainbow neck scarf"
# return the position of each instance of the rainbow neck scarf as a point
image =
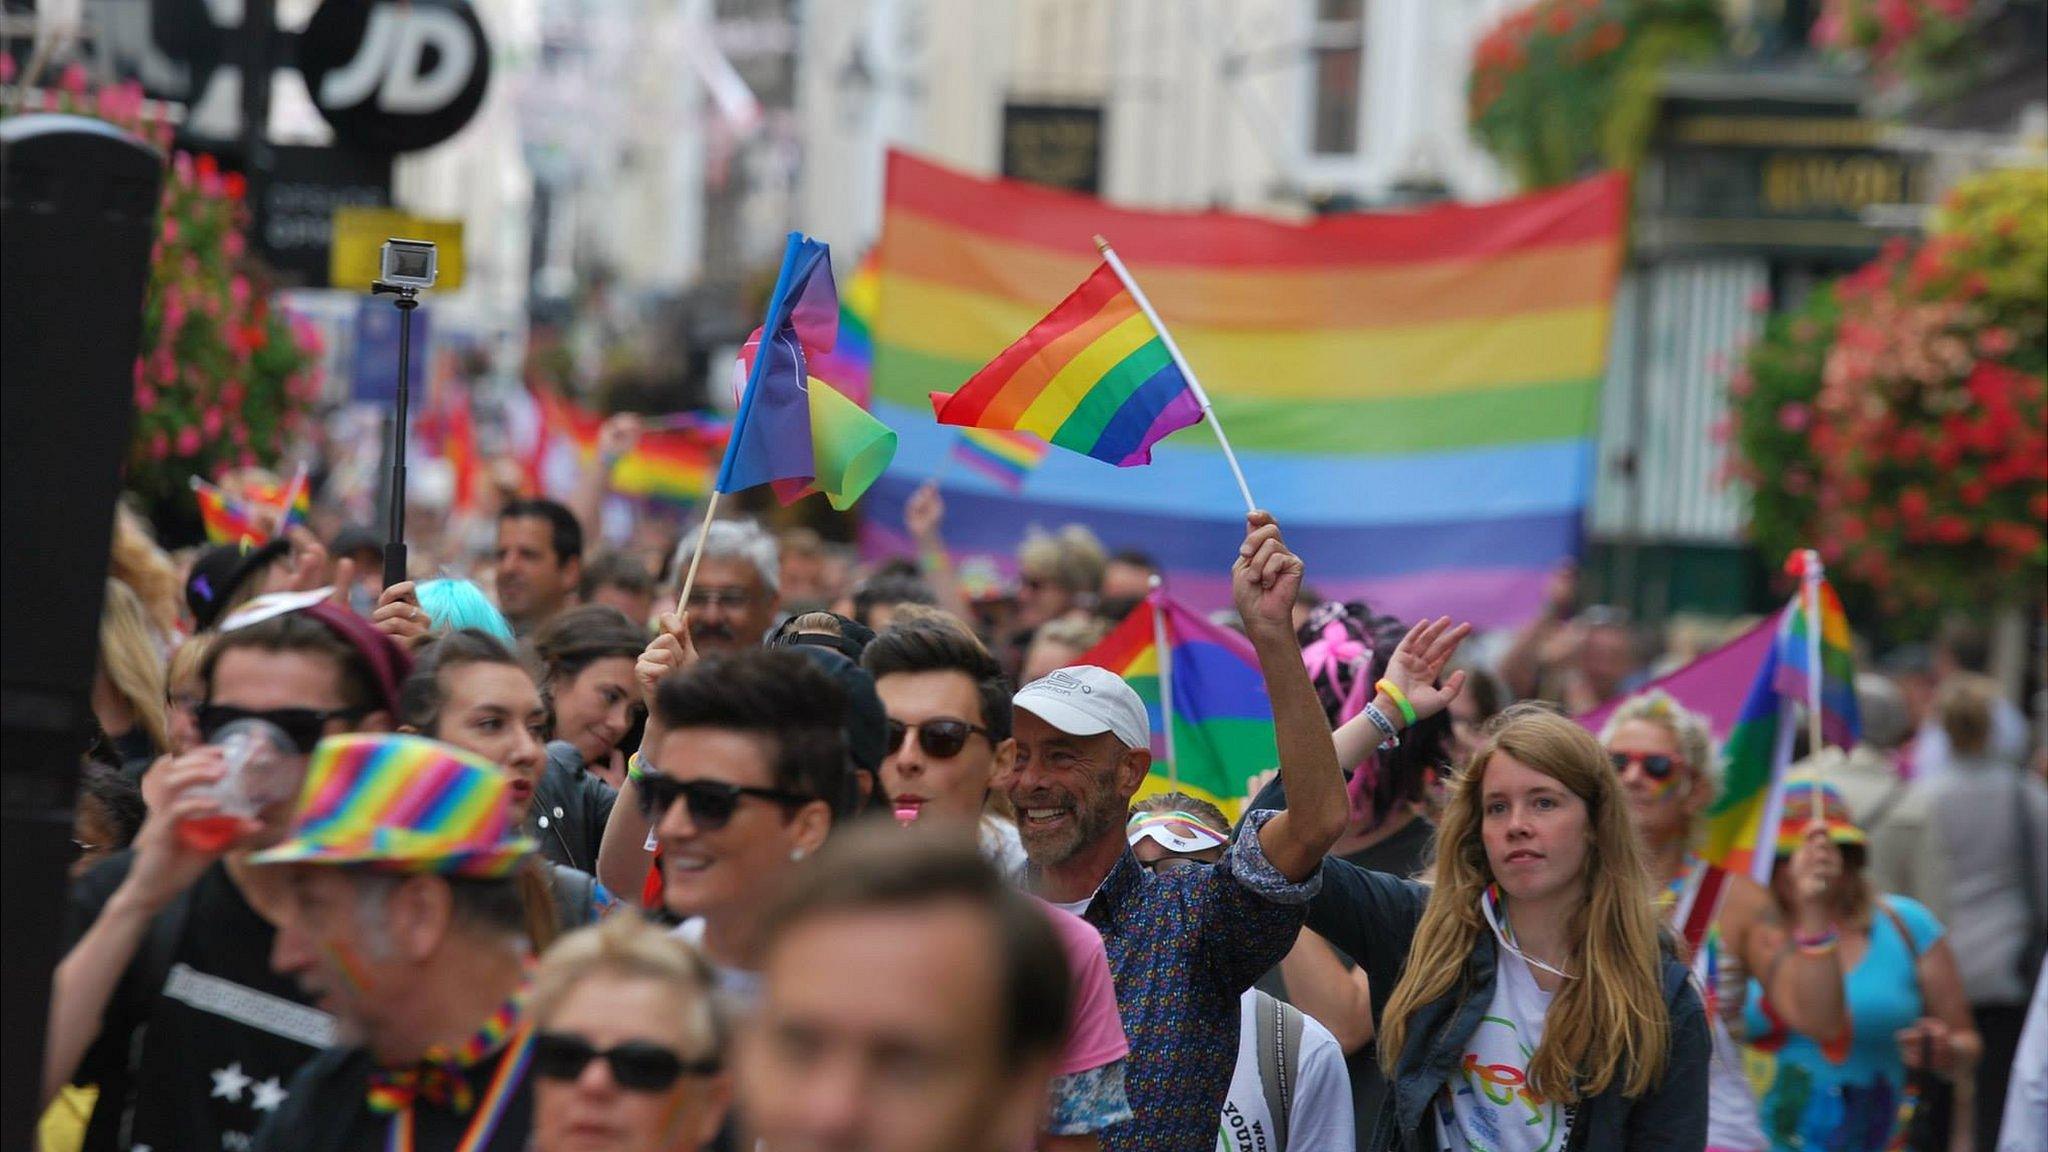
(441, 1077)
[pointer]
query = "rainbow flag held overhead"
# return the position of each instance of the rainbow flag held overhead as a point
(1094, 377)
(1222, 720)
(227, 519)
(1413, 394)
(1758, 751)
(1006, 458)
(674, 463)
(849, 365)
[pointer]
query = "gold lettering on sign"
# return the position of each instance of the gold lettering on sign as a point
(1797, 184)
(1057, 152)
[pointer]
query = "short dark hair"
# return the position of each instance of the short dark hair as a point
(1135, 558)
(777, 695)
(566, 532)
(574, 640)
(616, 570)
(422, 696)
(118, 796)
(884, 589)
(931, 647)
(299, 632)
(879, 867)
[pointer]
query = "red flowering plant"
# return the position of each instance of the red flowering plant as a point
(1561, 88)
(1924, 41)
(223, 380)
(1914, 452)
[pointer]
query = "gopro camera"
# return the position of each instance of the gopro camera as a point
(408, 264)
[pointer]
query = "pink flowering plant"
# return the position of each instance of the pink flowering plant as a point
(223, 380)
(1899, 419)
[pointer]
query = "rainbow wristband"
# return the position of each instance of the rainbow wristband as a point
(634, 771)
(1400, 700)
(1816, 945)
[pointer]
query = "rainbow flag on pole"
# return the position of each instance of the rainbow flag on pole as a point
(227, 519)
(1758, 750)
(1413, 394)
(1206, 681)
(1093, 377)
(1006, 458)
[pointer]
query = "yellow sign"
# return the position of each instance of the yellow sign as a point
(354, 259)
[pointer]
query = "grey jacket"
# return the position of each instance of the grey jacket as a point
(1372, 917)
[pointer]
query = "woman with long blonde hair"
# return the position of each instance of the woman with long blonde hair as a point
(128, 689)
(1531, 1002)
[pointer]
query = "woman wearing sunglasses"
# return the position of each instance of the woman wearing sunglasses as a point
(1663, 756)
(627, 1044)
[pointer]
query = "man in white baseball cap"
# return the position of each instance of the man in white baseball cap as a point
(1182, 946)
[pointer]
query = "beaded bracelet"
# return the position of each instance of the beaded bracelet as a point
(1386, 727)
(1399, 698)
(1818, 944)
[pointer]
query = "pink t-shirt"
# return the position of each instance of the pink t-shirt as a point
(1095, 1032)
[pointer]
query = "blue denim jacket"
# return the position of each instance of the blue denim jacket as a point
(1372, 917)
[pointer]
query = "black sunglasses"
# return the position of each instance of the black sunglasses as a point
(938, 738)
(637, 1065)
(711, 802)
(302, 726)
(1656, 766)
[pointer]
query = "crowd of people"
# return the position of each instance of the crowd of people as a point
(825, 857)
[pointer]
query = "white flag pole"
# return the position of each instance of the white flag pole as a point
(1810, 593)
(1116, 265)
(1165, 652)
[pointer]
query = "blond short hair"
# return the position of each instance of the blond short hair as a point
(1689, 730)
(628, 948)
(1072, 558)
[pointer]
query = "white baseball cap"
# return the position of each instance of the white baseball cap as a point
(1083, 700)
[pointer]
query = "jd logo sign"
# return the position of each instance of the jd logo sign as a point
(395, 75)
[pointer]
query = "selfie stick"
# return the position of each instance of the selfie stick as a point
(408, 298)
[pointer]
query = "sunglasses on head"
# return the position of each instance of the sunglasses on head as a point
(1656, 766)
(711, 802)
(637, 1065)
(938, 738)
(302, 726)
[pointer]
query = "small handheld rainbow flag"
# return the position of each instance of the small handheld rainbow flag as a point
(227, 519)
(1808, 666)
(1095, 377)
(674, 462)
(1212, 722)
(1008, 458)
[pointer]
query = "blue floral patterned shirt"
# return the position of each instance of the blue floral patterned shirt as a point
(1183, 947)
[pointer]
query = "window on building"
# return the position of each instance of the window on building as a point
(1337, 57)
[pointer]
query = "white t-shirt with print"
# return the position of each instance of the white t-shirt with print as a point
(1319, 1107)
(1491, 1108)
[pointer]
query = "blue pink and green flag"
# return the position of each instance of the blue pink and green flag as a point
(1212, 722)
(1804, 668)
(793, 430)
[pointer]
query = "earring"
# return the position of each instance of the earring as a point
(796, 854)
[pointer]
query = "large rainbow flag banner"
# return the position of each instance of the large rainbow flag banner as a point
(1758, 751)
(1222, 720)
(1412, 394)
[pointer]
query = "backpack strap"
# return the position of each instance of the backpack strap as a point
(1290, 1066)
(1268, 1035)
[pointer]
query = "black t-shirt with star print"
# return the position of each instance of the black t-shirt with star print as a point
(201, 1039)
(329, 1111)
